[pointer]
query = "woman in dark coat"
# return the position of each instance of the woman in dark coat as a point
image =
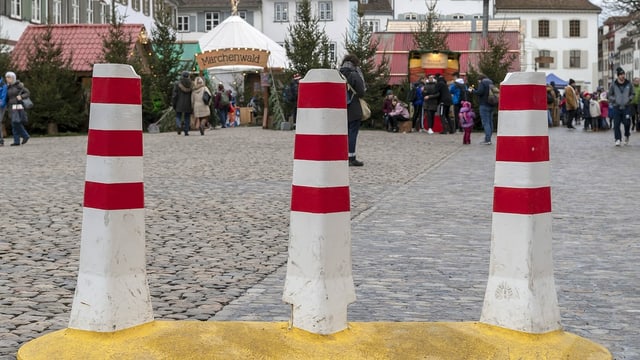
(181, 101)
(16, 92)
(350, 69)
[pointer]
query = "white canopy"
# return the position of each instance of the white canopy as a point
(234, 32)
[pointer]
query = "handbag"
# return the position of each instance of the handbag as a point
(206, 97)
(366, 110)
(27, 103)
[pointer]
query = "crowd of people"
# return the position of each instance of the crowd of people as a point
(617, 108)
(433, 97)
(192, 102)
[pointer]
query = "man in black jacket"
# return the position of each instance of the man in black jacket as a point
(444, 105)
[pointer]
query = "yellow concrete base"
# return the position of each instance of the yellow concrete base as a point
(261, 340)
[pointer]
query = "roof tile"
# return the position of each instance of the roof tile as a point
(81, 42)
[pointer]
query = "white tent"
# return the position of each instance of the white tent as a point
(234, 32)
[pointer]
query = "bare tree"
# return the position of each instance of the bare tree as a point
(430, 35)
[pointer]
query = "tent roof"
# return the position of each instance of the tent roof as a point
(236, 33)
(559, 82)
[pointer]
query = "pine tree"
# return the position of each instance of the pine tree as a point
(165, 65)
(307, 46)
(494, 61)
(115, 45)
(55, 88)
(376, 76)
(430, 35)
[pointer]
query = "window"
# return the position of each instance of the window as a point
(89, 11)
(280, 12)
(75, 11)
(543, 28)
(374, 25)
(332, 53)
(211, 20)
(325, 11)
(574, 58)
(183, 23)
(458, 17)
(36, 9)
(146, 7)
(242, 14)
(411, 16)
(57, 12)
(135, 4)
(574, 28)
(16, 8)
(544, 53)
(104, 13)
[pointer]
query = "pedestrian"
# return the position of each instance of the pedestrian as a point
(620, 95)
(444, 105)
(350, 69)
(387, 107)
(635, 108)
(291, 96)
(416, 97)
(551, 100)
(459, 93)
(586, 111)
(221, 105)
(16, 92)
(181, 101)
(594, 111)
(399, 113)
(3, 106)
(201, 109)
(431, 101)
(467, 119)
(485, 86)
(605, 122)
(571, 104)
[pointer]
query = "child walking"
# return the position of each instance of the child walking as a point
(467, 119)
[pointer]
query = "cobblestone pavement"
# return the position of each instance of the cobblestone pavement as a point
(217, 220)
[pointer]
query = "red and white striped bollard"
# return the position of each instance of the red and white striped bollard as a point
(112, 291)
(319, 283)
(521, 292)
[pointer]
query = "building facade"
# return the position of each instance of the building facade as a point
(564, 32)
(557, 37)
(15, 15)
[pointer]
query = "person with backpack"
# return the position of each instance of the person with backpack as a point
(221, 104)
(181, 101)
(459, 93)
(200, 101)
(485, 86)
